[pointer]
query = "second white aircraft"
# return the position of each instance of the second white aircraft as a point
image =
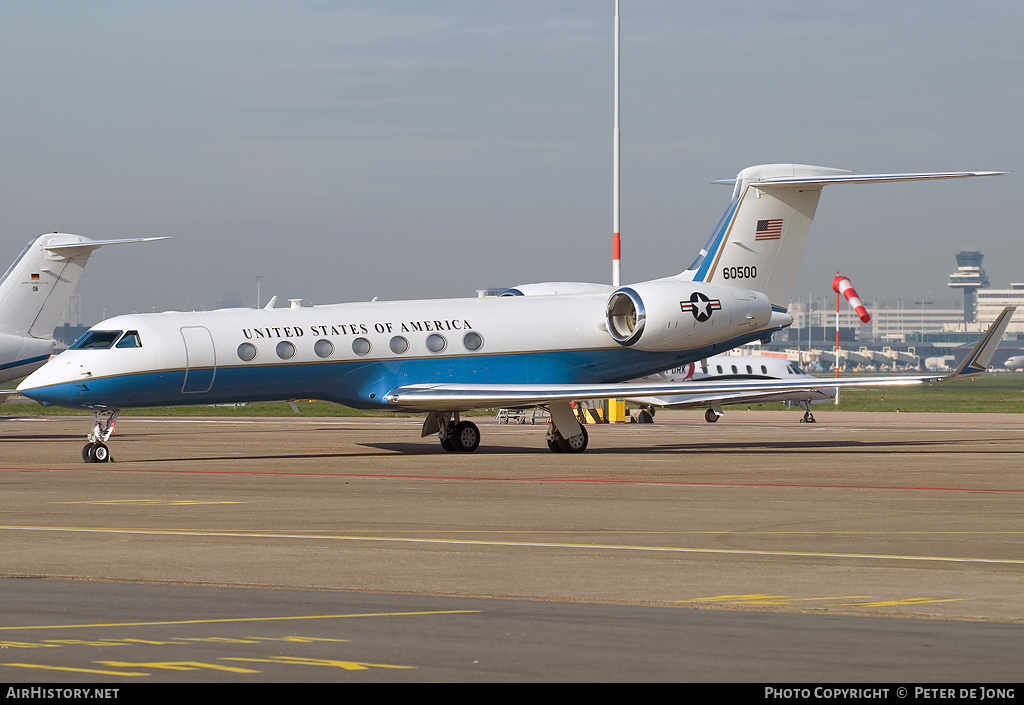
(34, 291)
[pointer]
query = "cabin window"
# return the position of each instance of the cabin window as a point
(436, 343)
(96, 340)
(361, 346)
(399, 345)
(734, 370)
(130, 339)
(246, 352)
(325, 348)
(764, 370)
(719, 367)
(285, 350)
(472, 341)
(749, 370)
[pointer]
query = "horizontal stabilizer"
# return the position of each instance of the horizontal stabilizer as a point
(851, 178)
(86, 244)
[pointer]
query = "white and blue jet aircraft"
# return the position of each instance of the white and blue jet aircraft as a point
(733, 370)
(34, 291)
(447, 356)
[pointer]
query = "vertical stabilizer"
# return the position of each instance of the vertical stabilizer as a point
(36, 288)
(760, 240)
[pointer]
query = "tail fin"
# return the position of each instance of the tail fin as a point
(35, 289)
(759, 242)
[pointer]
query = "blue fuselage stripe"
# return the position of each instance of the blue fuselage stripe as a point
(27, 361)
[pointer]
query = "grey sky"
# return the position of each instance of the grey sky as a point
(345, 150)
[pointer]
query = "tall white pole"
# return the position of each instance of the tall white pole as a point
(615, 163)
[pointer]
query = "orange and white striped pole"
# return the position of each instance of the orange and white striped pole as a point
(616, 260)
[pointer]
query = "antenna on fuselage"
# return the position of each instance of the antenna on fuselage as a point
(615, 163)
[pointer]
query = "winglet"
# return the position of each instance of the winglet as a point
(981, 354)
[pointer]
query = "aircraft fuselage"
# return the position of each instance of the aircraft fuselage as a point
(355, 353)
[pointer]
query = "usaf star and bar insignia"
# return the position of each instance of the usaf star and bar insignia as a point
(701, 306)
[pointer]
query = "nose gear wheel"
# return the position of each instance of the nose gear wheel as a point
(96, 451)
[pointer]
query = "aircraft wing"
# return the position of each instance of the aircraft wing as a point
(459, 397)
(682, 401)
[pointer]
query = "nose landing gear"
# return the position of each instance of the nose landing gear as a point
(808, 417)
(96, 451)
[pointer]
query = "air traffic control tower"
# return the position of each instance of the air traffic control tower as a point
(970, 277)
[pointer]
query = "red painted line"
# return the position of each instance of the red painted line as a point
(595, 480)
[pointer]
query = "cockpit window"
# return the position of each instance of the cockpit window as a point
(97, 340)
(130, 339)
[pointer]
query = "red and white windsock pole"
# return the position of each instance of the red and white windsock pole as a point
(842, 285)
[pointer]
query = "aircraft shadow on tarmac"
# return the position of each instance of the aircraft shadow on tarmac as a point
(916, 447)
(36, 437)
(973, 446)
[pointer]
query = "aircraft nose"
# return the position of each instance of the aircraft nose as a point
(49, 384)
(32, 385)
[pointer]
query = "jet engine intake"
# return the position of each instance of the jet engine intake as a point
(675, 315)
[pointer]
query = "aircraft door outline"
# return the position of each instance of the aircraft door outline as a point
(200, 360)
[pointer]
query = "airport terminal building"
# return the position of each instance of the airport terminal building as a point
(924, 330)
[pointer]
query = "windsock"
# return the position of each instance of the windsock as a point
(842, 285)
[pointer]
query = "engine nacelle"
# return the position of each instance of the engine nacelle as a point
(18, 348)
(677, 315)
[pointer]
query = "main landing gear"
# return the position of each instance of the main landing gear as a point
(95, 451)
(458, 436)
(564, 434)
(573, 444)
